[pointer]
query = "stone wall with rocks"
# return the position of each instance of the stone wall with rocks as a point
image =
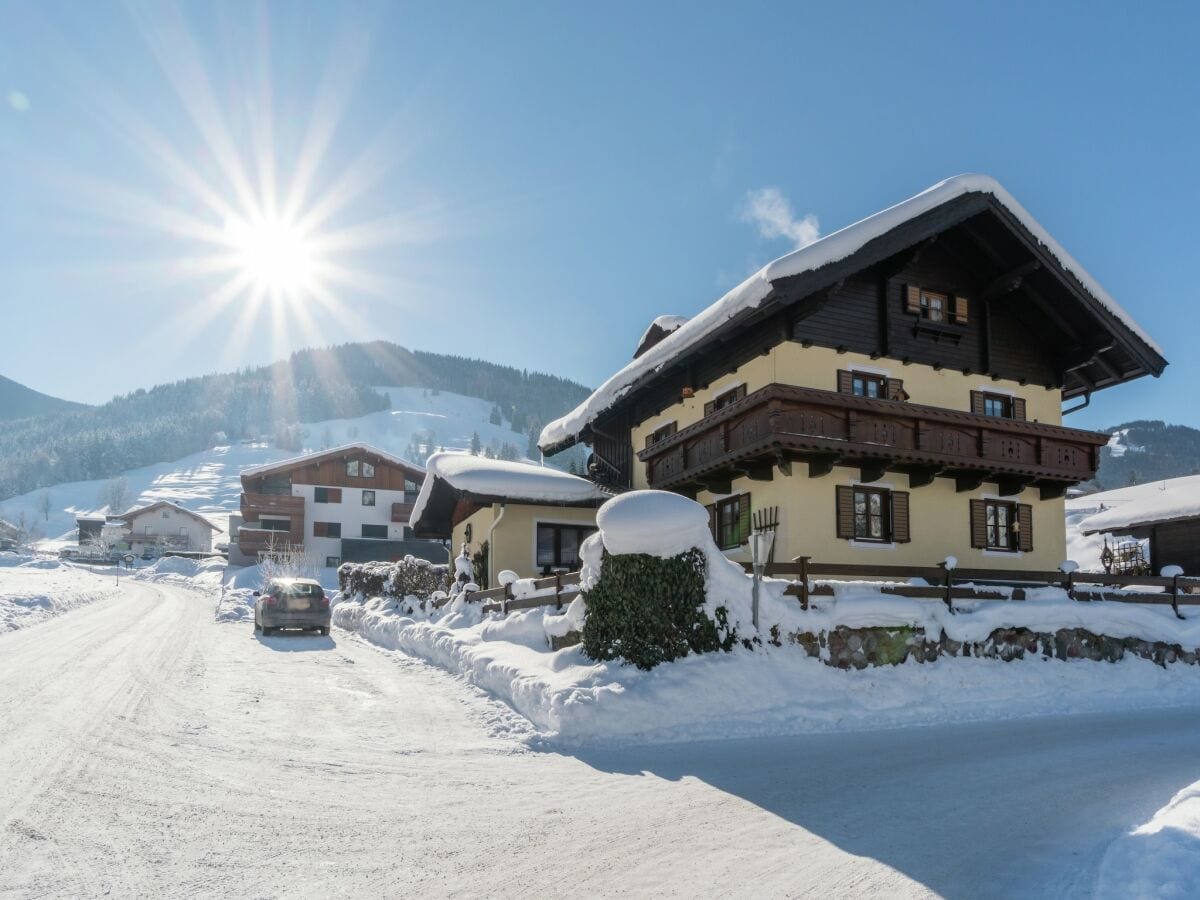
(858, 648)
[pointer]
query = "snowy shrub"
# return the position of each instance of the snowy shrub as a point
(647, 610)
(408, 577)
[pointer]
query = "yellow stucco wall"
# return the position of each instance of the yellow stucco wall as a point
(938, 514)
(514, 540)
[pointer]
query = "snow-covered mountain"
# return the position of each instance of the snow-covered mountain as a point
(19, 402)
(209, 482)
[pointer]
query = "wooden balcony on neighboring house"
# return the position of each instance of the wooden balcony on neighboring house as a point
(779, 425)
(401, 512)
(252, 539)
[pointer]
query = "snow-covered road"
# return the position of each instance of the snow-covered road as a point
(146, 750)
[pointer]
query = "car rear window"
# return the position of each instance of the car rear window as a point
(303, 590)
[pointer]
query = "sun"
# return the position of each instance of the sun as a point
(274, 255)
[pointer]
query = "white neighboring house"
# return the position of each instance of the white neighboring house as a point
(164, 526)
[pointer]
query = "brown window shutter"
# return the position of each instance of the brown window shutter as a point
(744, 527)
(1018, 408)
(845, 512)
(900, 531)
(1025, 518)
(978, 524)
(845, 382)
(977, 402)
(912, 298)
(335, 495)
(894, 388)
(740, 393)
(960, 310)
(708, 408)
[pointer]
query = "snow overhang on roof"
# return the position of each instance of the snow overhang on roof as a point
(454, 477)
(1156, 503)
(563, 432)
(334, 452)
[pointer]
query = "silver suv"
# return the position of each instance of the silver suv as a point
(291, 603)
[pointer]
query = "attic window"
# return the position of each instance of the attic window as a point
(935, 307)
(352, 468)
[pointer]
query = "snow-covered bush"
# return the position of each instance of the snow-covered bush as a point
(648, 610)
(409, 577)
(660, 590)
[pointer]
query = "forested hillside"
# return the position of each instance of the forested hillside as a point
(173, 420)
(1145, 451)
(20, 402)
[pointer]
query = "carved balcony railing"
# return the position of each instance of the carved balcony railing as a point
(780, 424)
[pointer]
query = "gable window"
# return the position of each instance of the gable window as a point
(411, 490)
(999, 406)
(724, 399)
(660, 434)
(368, 498)
(558, 545)
(374, 531)
(729, 521)
(872, 515)
(165, 514)
(368, 469)
(352, 468)
(327, 529)
(935, 307)
(327, 495)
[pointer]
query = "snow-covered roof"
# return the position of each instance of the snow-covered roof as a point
(133, 513)
(839, 245)
(306, 458)
(1143, 504)
(499, 480)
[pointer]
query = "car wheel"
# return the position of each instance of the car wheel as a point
(267, 631)
(324, 630)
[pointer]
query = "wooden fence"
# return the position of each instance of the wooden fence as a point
(501, 599)
(947, 584)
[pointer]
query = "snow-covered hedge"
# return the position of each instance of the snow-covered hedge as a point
(409, 577)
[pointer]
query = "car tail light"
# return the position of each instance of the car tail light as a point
(324, 599)
(269, 599)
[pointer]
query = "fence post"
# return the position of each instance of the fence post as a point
(1071, 585)
(948, 582)
(508, 595)
(558, 590)
(803, 561)
(1175, 597)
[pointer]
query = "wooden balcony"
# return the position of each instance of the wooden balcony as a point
(252, 540)
(254, 505)
(782, 424)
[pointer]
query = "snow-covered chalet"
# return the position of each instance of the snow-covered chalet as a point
(892, 393)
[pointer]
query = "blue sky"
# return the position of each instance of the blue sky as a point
(531, 184)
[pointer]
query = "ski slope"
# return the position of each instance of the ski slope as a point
(209, 482)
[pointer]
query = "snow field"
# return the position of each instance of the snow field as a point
(1158, 859)
(35, 589)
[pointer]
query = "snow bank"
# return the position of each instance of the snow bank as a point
(754, 290)
(1160, 858)
(1158, 501)
(770, 691)
(658, 523)
(34, 589)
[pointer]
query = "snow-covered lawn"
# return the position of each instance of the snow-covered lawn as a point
(34, 589)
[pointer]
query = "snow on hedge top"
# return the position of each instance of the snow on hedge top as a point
(1158, 501)
(751, 292)
(519, 482)
(658, 523)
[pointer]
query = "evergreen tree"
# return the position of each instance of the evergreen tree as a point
(476, 445)
(495, 417)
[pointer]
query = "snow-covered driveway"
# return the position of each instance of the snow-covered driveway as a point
(146, 750)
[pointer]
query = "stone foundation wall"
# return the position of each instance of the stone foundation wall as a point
(858, 648)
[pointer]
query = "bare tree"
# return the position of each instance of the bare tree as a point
(98, 546)
(288, 561)
(44, 505)
(115, 495)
